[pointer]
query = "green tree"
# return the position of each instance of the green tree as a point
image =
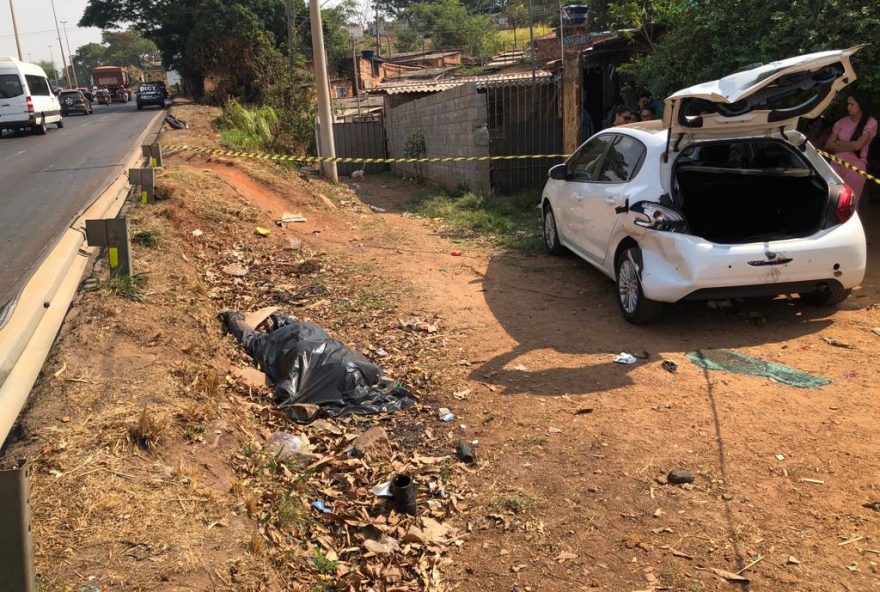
(704, 40)
(49, 68)
(127, 48)
(88, 57)
(449, 24)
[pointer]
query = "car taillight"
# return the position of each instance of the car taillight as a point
(30, 105)
(846, 206)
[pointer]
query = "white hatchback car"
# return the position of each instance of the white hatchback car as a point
(722, 199)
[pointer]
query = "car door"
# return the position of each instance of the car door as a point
(13, 101)
(581, 171)
(610, 190)
(41, 94)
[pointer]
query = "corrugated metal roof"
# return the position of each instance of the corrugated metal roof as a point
(524, 78)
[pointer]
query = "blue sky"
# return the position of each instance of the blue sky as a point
(37, 29)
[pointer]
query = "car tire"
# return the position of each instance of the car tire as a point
(634, 306)
(41, 129)
(551, 233)
(832, 297)
(140, 107)
(59, 124)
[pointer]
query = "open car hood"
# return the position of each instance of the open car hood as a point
(769, 98)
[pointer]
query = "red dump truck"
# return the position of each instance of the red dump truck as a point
(115, 79)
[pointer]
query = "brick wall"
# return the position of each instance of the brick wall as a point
(453, 124)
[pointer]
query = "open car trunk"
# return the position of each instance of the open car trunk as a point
(748, 191)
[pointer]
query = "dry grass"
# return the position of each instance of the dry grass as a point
(147, 431)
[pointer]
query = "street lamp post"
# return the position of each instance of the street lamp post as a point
(61, 45)
(70, 53)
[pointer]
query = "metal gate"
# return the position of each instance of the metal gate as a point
(360, 138)
(523, 118)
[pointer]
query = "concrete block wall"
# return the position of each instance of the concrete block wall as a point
(454, 123)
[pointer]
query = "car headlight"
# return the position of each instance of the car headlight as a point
(658, 217)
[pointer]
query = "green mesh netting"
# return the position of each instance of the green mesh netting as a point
(726, 360)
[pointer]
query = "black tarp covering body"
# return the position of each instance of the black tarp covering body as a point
(307, 366)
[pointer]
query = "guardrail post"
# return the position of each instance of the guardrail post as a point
(16, 538)
(113, 234)
(144, 178)
(154, 153)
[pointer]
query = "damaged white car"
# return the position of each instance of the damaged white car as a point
(722, 199)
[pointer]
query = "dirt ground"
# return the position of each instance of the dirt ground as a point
(569, 490)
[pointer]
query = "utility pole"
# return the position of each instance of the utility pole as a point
(357, 86)
(60, 44)
(561, 37)
(322, 84)
(70, 53)
(15, 31)
(532, 40)
(376, 23)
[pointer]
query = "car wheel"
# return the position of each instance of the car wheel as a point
(635, 307)
(140, 107)
(829, 297)
(41, 129)
(551, 233)
(60, 123)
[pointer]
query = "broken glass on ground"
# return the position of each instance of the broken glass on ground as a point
(726, 360)
(306, 366)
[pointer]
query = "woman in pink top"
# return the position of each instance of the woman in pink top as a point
(850, 138)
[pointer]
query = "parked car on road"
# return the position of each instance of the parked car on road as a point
(26, 99)
(74, 101)
(150, 94)
(724, 198)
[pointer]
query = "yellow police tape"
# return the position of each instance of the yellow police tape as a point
(355, 160)
(349, 159)
(847, 165)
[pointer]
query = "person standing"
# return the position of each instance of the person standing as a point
(850, 140)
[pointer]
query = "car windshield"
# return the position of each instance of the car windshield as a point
(10, 86)
(70, 94)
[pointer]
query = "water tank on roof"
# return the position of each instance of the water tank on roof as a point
(576, 14)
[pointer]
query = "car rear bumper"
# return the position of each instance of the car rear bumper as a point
(682, 267)
(16, 124)
(78, 109)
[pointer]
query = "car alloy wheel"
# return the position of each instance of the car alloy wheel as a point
(551, 233)
(628, 286)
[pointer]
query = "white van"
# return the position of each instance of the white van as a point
(26, 99)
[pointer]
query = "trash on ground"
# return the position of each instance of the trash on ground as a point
(680, 476)
(780, 457)
(286, 446)
(261, 231)
(872, 506)
(306, 366)
(382, 490)
(792, 560)
(295, 244)
(175, 123)
(445, 415)
(378, 209)
(455, 253)
(197, 233)
(465, 452)
(813, 481)
(321, 507)
(381, 353)
(669, 366)
(287, 218)
(836, 342)
(734, 362)
(583, 411)
(386, 546)
(876, 331)
(403, 492)
(625, 358)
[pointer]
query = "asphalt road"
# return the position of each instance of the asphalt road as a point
(45, 181)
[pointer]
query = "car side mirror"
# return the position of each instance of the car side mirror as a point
(559, 172)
